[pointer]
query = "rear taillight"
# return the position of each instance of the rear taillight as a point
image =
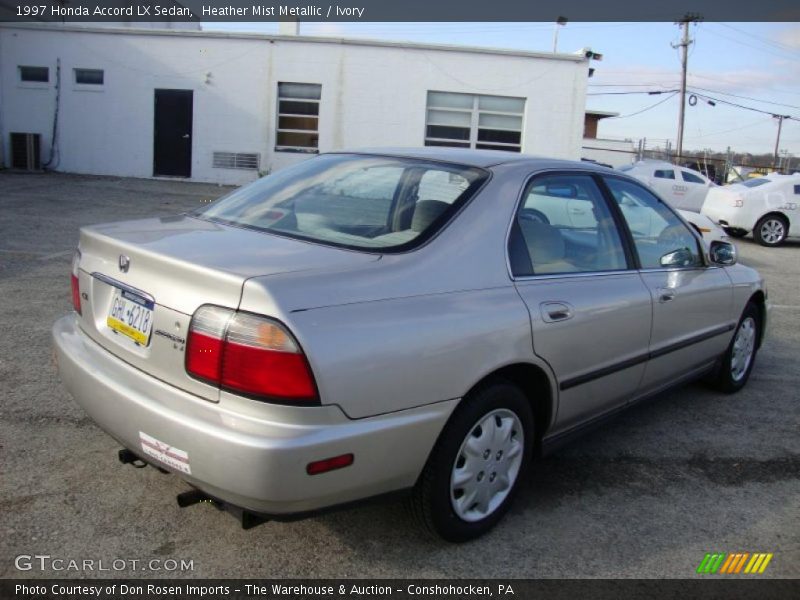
(76, 289)
(248, 354)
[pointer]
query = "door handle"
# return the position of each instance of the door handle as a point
(577, 211)
(665, 294)
(186, 136)
(553, 312)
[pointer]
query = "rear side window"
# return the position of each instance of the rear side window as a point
(662, 240)
(797, 189)
(355, 201)
(564, 226)
(691, 177)
(664, 174)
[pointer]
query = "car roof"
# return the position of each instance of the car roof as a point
(476, 158)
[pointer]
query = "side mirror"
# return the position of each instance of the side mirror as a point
(722, 253)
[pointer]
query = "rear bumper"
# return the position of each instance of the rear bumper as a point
(725, 215)
(256, 458)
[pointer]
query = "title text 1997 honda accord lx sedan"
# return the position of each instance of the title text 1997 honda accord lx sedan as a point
(369, 322)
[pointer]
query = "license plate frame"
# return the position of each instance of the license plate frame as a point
(131, 316)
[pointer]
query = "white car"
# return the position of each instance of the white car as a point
(681, 187)
(767, 206)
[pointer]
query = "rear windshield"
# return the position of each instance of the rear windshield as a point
(351, 200)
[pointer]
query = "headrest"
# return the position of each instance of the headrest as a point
(426, 212)
(545, 243)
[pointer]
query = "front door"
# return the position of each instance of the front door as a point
(172, 146)
(590, 310)
(693, 318)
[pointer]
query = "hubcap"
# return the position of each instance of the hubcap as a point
(743, 345)
(487, 465)
(772, 231)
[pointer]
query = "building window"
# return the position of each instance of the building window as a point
(34, 74)
(298, 117)
(89, 76)
(472, 121)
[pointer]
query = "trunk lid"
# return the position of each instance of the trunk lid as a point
(175, 265)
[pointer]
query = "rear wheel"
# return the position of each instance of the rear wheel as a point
(474, 471)
(738, 361)
(771, 230)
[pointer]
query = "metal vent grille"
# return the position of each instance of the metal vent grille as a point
(236, 160)
(25, 151)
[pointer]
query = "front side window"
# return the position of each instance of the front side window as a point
(564, 226)
(691, 177)
(34, 74)
(473, 121)
(298, 117)
(355, 201)
(661, 238)
(664, 174)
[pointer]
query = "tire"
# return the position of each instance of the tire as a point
(737, 362)
(735, 233)
(467, 448)
(771, 230)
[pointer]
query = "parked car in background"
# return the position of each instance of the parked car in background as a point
(683, 188)
(370, 322)
(768, 206)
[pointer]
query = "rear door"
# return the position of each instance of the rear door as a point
(590, 311)
(692, 303)
(696, 190)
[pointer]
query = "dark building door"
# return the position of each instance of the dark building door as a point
(172, 146)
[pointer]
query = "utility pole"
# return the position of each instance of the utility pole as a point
(684, 46)
(777, 139)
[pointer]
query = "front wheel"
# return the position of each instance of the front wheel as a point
(474, 471)
(771, 230)
(737, 363)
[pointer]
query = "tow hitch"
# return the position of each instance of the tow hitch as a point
(245, 517)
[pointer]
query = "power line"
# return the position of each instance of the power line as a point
(650, 93)
(729, 103)
(694, 87)
(762, 39)
(646, 108)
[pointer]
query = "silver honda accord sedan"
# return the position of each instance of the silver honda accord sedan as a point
(423, 320)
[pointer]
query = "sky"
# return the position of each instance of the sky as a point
(752, 64)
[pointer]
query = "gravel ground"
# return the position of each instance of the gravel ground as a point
(647, 495)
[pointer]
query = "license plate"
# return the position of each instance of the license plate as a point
(131, 315)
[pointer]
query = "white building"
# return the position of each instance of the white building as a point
(222, 107)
